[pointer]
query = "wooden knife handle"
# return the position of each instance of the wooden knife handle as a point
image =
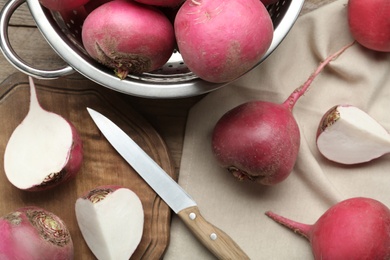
(217, 241)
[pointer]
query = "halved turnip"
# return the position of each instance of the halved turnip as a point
(348, 135)
(111, 219)
(43, 151)
(32, 233)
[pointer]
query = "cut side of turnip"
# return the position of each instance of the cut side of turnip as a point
(348, 135)
(111, 220)
(43, 151)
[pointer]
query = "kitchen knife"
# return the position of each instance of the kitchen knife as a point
(217, 241)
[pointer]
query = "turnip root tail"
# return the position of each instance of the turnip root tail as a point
(293, 98)
(299, 228)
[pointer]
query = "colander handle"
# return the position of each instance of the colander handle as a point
(9, 53)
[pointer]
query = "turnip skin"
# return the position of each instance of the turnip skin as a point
(221, 40)
(163, 3)
(258, 140)
(270, 131)
(32, 233)
(356, 228)
(128, 37)
(369, 23)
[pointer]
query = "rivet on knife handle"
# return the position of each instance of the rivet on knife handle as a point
(217, 241)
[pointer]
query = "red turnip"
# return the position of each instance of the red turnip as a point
(164, 3)
(369, 23)
(63, 5)
(128, 37)
(32, 233)
(259, 140)
(111, 220)
(43, 151)
(221, 40)
(356, 228)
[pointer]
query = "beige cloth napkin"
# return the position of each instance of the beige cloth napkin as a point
(359, 77)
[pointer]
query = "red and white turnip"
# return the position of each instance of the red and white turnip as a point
(221, 40)
(369, 23)
(44, 150)
(259, 140)
(348, 135)
(129, 37)
(356, 228)
(111, 220)
(32, 233)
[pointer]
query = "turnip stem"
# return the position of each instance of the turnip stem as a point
(299, 228)
(293, 98)
(34, 103)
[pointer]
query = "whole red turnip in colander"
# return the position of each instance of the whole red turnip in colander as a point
(129, 37)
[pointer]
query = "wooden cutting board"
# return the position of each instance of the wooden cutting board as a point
(102, 165)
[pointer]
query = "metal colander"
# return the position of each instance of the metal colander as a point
(174, 80)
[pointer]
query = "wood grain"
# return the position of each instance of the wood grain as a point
(102, 164)
(213, 238)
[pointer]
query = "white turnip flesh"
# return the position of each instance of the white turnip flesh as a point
(43, 151)
(259, 140)
(356, 228)
(348, 135)
(32, 233)
(369, 23)
(128, 37)
(220, 40)
(111, 220)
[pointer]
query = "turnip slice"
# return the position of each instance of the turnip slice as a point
(43, 151)
(32, 233)
(356, 228)
(111, 220)
(348, 135)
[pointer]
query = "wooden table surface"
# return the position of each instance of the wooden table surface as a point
(167, 116)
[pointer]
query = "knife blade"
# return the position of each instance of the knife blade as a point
(213, 238)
